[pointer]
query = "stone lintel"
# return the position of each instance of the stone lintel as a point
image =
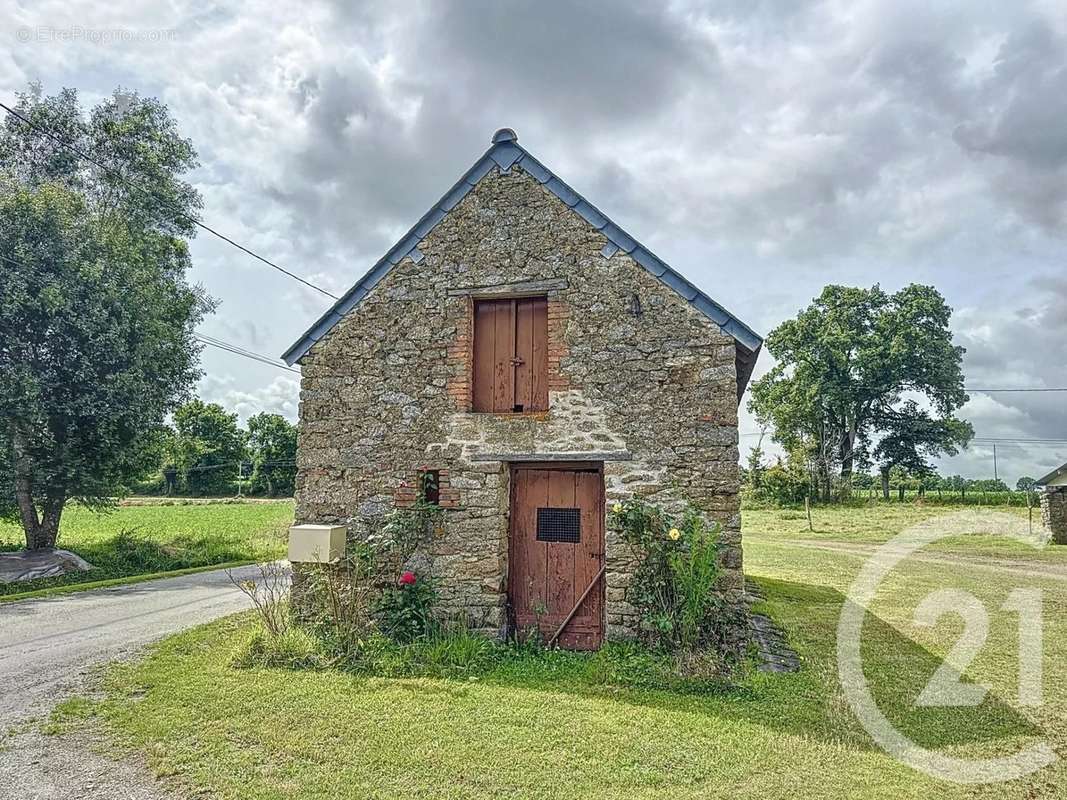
(613, 455)
(511, 289)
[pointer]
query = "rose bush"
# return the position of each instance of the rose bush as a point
(673, 584)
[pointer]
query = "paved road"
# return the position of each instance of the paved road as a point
(48, 645)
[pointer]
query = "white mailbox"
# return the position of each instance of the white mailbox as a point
(320, 544)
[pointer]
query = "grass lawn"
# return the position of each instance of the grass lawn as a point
(138, 540)
(550, 727)
(875, 523)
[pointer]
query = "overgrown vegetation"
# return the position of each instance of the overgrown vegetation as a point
(677, 565)
(138, 540)
(370, 596)
(205, 453)
(373, 613)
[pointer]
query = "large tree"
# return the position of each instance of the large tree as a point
(96, 317)
(207, 448)
(910, 437)
(272, 446)
(849, 370)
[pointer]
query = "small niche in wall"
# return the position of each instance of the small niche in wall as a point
(430, 486)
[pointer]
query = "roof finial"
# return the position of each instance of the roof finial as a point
(505, 135)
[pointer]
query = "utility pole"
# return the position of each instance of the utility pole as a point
(995, 476)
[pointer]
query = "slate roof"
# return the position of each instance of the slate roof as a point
(1047, 479)
(506, 153)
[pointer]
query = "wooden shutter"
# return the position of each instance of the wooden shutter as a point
(511, 355)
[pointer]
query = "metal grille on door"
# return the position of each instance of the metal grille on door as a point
(559, 525)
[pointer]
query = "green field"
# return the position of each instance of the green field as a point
(551, 732)
(874, 523)
(133, 541)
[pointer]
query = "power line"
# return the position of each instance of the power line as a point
(989, 440)
(239, 351)
(1019, 389)
(205, 339)
(992, 439)
(82, 154)
(225, 464)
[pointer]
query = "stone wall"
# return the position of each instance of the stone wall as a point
(387, 392)
(1054, 512)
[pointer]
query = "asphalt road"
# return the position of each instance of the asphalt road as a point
(47, 646)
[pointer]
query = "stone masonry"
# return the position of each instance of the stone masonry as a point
(651, 392)
(1054, 512)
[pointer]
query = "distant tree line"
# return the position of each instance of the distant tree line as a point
(205, 452)
(789, 480)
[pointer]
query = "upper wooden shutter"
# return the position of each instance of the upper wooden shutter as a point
(511, 355)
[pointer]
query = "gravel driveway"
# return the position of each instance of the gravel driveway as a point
(49, 648)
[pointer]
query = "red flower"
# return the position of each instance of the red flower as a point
(407, 578)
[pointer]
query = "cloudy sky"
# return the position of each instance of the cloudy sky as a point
(764, 149)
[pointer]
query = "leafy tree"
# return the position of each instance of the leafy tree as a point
(844, 365)
(207, 447)
(785, 483)
(272, 447)
(1026, 484)
(912, 437)
(96, 317)
(863, 480)
(957, 483)
(988, 485)
(753, 470)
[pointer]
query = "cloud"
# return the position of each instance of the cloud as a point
(764, 149)
(280, 396)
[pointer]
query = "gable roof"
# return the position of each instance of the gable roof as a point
(1056, 473)
(506, 153)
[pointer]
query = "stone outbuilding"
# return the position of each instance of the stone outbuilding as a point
(533, 363)
(1054, 503)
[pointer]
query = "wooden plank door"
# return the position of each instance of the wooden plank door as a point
(556, 550)
(510, 355)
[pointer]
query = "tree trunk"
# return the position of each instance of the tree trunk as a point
(48, 531)
(900, 492)
(848, 459)
(40, 531)
(885, 485)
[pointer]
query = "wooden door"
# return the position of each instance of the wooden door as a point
(510, 355)
(556, 551)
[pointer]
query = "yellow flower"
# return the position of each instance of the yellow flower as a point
(617, 508)
(674, 533)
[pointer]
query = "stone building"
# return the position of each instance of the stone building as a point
(1054, 503)
(537, 364)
